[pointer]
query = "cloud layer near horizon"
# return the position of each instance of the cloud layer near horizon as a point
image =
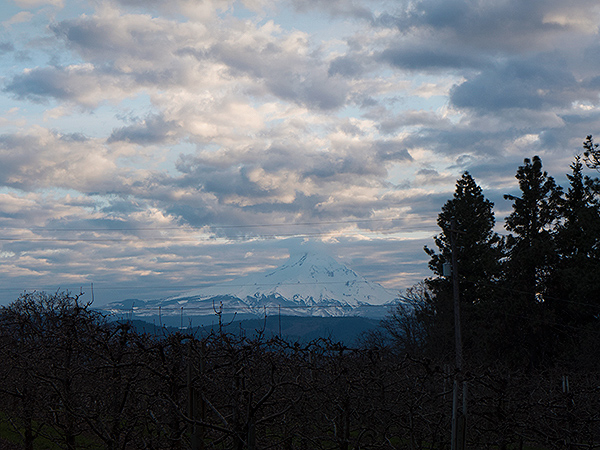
(159, 143)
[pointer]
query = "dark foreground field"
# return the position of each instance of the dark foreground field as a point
(72, 380)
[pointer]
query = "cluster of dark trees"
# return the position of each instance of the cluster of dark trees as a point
(530, 310)
(530, 298)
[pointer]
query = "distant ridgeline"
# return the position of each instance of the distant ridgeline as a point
(308, 286)
(345, 330)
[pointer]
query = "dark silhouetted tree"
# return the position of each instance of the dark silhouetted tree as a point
(479, 254)
(591, 153)
(574, 287)
(532, 259)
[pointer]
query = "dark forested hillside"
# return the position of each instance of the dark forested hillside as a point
(347, 330)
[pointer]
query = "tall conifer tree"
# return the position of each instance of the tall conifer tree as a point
(532, 260)
(575, 285)
(535, 213)
(479, 254)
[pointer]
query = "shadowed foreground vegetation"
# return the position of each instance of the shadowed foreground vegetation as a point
(72, 380)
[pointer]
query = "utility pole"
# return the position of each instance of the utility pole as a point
(458, 420)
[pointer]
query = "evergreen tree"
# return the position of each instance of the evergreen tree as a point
(591, 153)
(574, 288)
(478, 246)
(535, 212)
(532, 258)
(479, 253)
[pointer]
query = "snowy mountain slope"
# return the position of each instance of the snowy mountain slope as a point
(307, 278)
(308, 284)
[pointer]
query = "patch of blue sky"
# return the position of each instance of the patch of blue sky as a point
(401, 175)
(321, 27)
(134, 108)
(62, 193)
(433, 103)
(16, 115)
(239, 11)
(8, 11)
(8, 190)
(172, 153)
(58, 194)
(350, 111)
(102, 120)
(96, 124)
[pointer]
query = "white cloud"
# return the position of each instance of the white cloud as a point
(41, 159)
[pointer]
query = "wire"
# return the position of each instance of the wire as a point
(209, 238)
(247, 308)
(195, 227)
(171, 239)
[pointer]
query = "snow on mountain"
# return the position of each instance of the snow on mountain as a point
(308, 284)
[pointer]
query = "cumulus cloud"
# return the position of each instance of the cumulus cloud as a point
(520, 84)
(431, 58)
(152, 130)
(159, 52)
(81, 84)
(510, 26)
(41, 159)
(198, 11)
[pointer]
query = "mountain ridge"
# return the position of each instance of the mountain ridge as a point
(308, 284)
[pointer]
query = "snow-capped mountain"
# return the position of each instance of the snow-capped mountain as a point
(308, 284)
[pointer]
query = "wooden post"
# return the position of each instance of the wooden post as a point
(458, 437)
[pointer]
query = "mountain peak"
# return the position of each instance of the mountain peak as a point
(308, 283)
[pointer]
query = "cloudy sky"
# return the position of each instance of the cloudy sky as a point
(153, 146)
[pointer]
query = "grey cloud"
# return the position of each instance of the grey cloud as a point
(100, 39)
(14, 161)
(343, 8)
(299, 79)
(568, 139)
(428, 172)
(85, 33)
(82, 84)
(434, 57)
(6, 47)
(389, 123)
(119, 206)
(41, 159)
(392, 151)
(290, 179)
(153, 130)
(518, 84)
(39, 84)
(512, 25)
(346, 66)
(315, 90)
(463, 140)
(142, 3)
(222, 182)
(73, 137)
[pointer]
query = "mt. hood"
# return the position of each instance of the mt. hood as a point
(308, 284)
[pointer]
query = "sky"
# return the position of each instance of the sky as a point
(149, 147)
